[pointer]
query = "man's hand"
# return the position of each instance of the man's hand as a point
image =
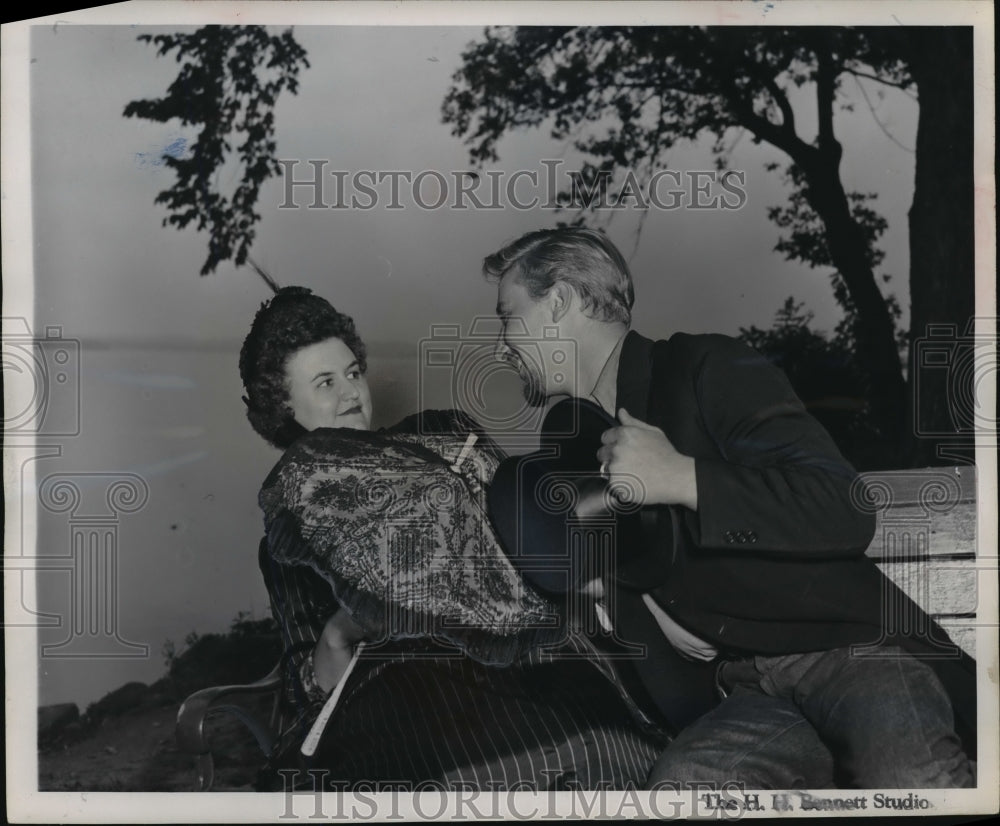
(667, 477)
(687, 644)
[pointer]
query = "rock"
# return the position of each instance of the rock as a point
(127, 697)
(53, 719)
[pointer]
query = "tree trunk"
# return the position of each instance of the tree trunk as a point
(942, 249)
(875, 332)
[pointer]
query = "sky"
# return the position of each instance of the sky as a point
(371, 100)
(156, 365)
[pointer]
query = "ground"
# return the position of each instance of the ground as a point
(137, 752)
(125, 741)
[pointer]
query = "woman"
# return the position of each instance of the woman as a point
(452, 687)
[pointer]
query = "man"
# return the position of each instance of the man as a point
(758, 586)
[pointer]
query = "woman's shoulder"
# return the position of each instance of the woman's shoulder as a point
(436, 422)
(438, 429)
(324, 446)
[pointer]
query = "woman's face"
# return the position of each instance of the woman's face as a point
(326, 387)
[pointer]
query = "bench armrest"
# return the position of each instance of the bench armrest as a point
(190, 728)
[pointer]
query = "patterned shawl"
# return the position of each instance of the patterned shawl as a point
(403, 538)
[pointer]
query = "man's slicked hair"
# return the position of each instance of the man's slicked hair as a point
(583, 258)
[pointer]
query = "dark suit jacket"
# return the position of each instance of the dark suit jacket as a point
(773, 561)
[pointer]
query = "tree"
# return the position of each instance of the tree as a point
(660, 86)
(942, 232)
(826, 376)
(228, 85)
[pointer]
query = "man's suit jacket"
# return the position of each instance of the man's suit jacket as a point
(773, 561)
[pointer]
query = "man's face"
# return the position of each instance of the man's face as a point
(522, 321)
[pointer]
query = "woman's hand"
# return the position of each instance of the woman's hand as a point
(334, 650)
(593, 589)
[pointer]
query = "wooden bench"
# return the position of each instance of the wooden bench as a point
(193, 736)
(925, 542)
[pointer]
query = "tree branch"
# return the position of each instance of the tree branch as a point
(904, 86)
(787, 115)
(825, 92)
(784, 139)
(264, 274)
(881, 125)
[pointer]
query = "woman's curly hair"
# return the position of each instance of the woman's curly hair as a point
(293, 319)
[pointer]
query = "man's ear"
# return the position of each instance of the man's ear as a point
(560, 298)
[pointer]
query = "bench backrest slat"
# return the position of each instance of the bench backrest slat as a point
(925, 541)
